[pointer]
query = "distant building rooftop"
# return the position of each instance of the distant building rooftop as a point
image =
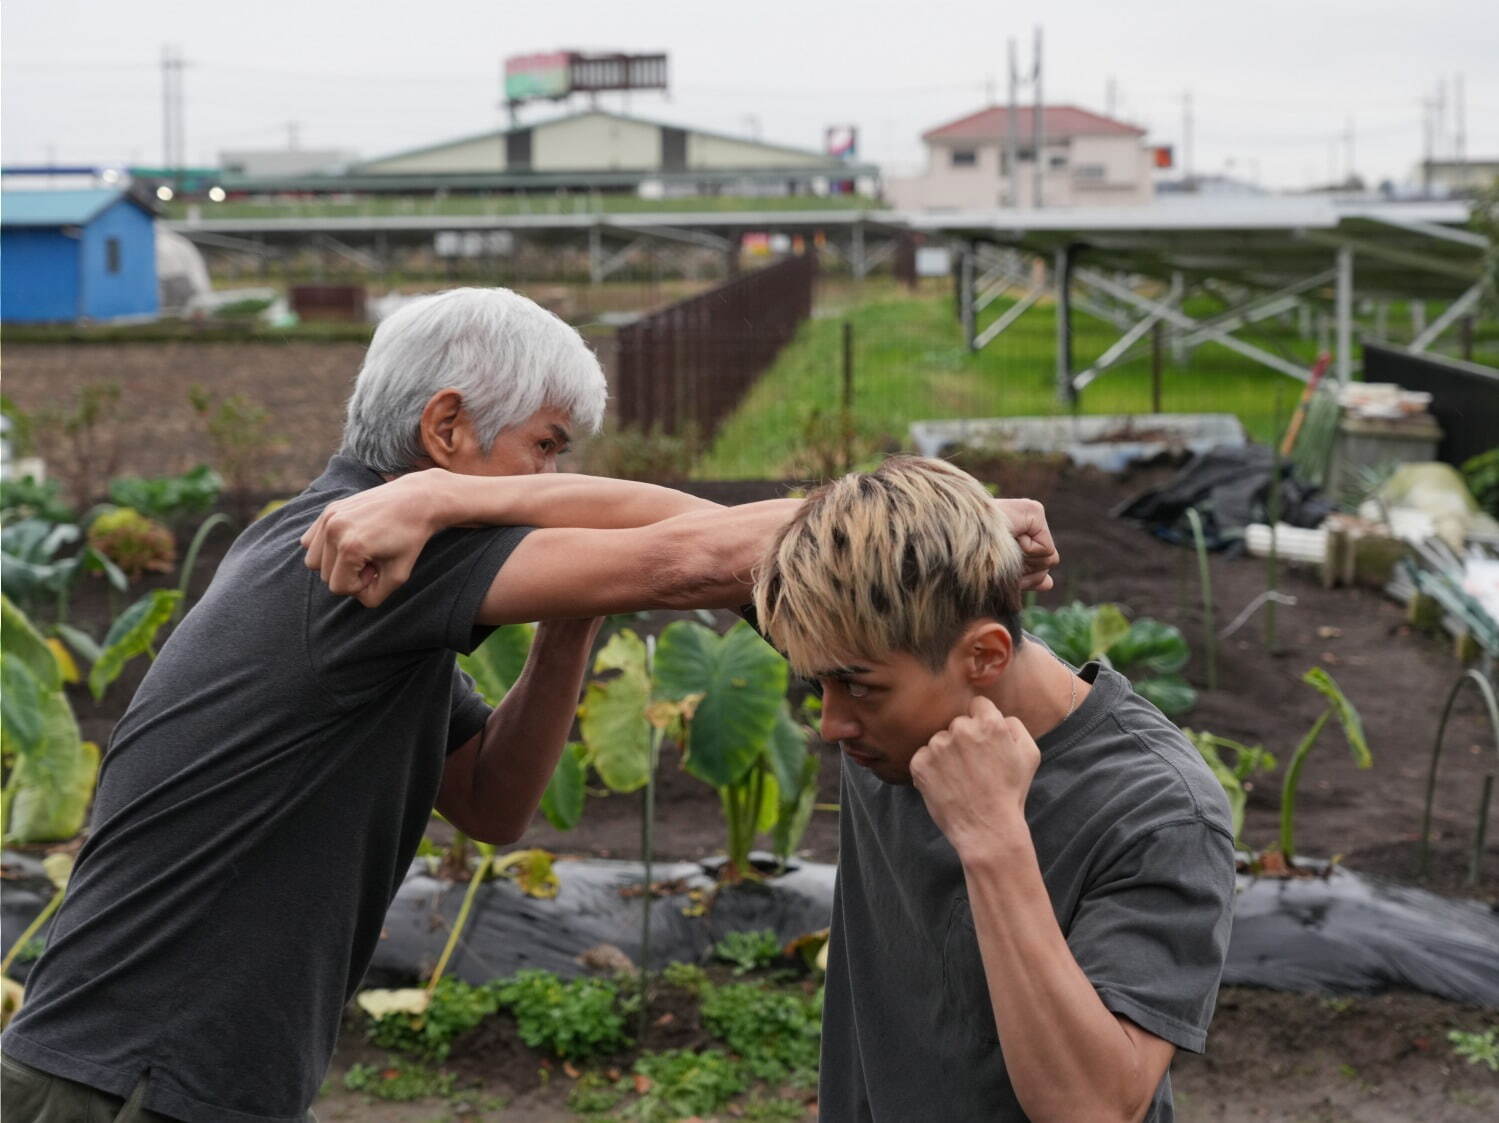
(61, 208)
(1060, 122)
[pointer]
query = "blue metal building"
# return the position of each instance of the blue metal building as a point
(76, 255)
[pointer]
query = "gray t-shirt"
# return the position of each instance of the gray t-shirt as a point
(1132, 835)
(259, 804)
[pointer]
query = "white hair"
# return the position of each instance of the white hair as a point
(506, 355)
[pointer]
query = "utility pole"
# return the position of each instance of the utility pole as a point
(1039, 125)
(1350, 172)
(293, 129)
(1012, 133)
(1460, 111)
(1427, 107)
(173, 144)
(1111, 96)
(1187, 138)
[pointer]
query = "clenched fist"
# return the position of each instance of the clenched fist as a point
(975, 774)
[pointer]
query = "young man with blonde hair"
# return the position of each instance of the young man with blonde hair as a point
(1036, 870)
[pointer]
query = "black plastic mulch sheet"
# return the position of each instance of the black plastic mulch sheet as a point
(507, 930)
(1230, 487)
(1343, 933)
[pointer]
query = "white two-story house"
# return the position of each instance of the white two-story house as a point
(1087, 160)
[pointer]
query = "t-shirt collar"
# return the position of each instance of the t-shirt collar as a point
(1107, 690)
(344, 472)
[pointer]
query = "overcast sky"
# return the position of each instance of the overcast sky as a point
(1273, 84)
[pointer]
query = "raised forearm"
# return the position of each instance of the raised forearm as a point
(526, 733)
(555, 500)
(1067, 1055)
(711, 556)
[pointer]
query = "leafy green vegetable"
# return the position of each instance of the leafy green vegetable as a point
(132, 633)
(562, 802)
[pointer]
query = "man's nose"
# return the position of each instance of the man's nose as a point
(837, 723)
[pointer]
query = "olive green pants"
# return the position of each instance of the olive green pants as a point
(29, 1095)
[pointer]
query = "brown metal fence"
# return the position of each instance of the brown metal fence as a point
(691, 362)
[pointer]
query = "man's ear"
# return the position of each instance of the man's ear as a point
(987, 650)
(441, 434)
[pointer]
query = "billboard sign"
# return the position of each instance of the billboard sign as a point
(842, 141)
(538, 76)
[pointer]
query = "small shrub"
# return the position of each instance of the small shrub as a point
(239, 430)
(683, 1083)
(776, 1032)
(573, 1021)
(647, 455)
(400, 1080)
(1477, 1048)
(686, 976)
(133, 542)
(455, 1007)
(749, 951)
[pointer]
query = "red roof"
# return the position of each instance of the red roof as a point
(1060, 121)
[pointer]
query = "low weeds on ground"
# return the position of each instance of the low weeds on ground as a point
(748, 951)
(758, 1032)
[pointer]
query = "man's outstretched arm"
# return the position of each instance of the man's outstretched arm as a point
(698, 554)
(492, 785)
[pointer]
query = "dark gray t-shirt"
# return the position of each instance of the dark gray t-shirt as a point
(1132, 835)
(258, 806)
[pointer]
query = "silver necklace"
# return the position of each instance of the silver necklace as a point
(1072, 699)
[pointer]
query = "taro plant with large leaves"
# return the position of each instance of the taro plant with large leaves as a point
(740, 736)
(49, 769)
(1148, 651)
(39, 568)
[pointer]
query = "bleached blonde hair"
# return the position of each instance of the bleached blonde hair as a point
(901, 559)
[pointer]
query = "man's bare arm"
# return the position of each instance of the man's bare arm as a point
(366, 545)
(492, 785)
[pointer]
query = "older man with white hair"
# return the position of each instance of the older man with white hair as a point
(265, 792)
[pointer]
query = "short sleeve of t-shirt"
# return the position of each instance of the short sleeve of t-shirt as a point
(1152, 931)
(469, 712)
(355, 648)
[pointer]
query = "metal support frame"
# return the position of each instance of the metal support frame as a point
(1179, 319)
(1261, 307)
(1455, 311)
(1122, 345)
(857, 262)
(1066, 391)
(1345, 314)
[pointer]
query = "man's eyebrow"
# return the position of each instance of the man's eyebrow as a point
(842, 672)
(561, 434)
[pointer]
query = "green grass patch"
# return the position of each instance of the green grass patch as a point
(910, 364)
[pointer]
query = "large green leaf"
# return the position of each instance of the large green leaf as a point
(1171, 694)
(20, 706)
(19, 638)
(743, 683)
(1067, 631)
(1353, 726)
(50, 788)
(787, 750)
(1109, 626)
(612, 716)
(498, 661)
(1149, 645)
(132, 634)
(562, 802)
(796, 809)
